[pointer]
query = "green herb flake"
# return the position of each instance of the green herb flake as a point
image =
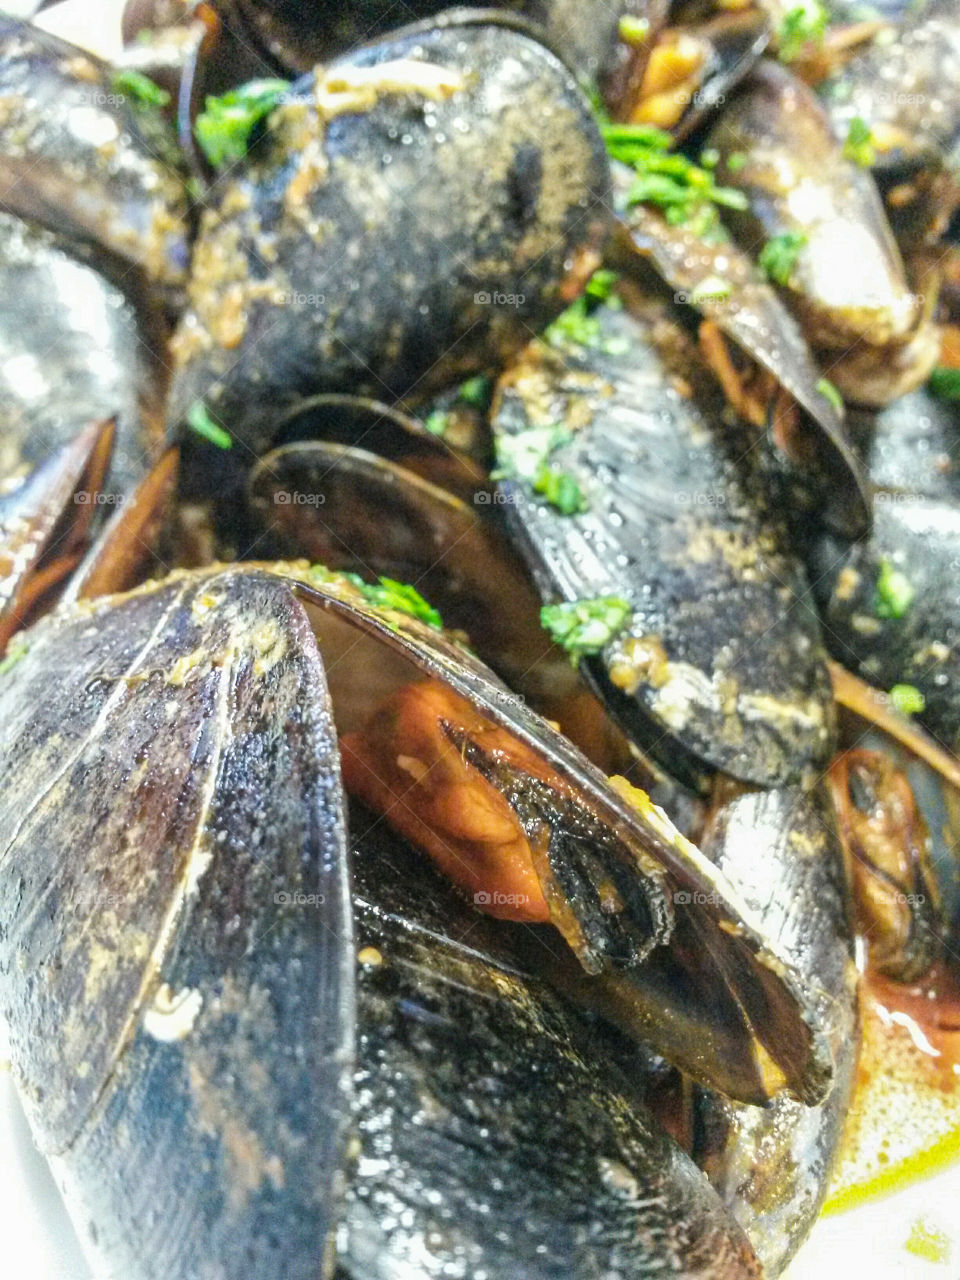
(526, 456)
(436, 422)
(859, 146)
(907, 699)
(388, 593)
(140, 89)
(830, 392)
(385, 593)
(560, 489)
(585, 627)
(684, 192)
(223, 129)
(521, 455)
(199, 420)
(577, 325)
(736, 161)
(15, 651)
(601, 285)
(476, 391)
(894, 593)
(945, 383)
(778, 257)
(633, 30)
(805, 23)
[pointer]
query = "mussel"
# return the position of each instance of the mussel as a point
(819, 217)
(210, 686)
(718, 663)
(404, 222)
(81, 154)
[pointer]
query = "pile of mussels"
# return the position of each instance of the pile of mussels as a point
(436, 462)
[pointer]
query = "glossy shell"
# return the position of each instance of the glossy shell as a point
(72, 350)
(495, 1134)
(720, 666)
(176, 962)
(408, 219)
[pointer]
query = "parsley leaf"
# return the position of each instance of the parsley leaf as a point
(778, 257)
(585, 627)
(894, 593)
(684, 192)
(223, 129)
(139, 88)
(830, 392)
(945, 383)
(199, 420)
(907, 699)
(805, 23)
(859, 146)
(385, 593)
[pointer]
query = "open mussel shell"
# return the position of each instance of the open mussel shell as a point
(772, 1166)
(720, 666)
(749, 311)
(79, 155)
(409, 217)
(44, 524)
(847, 284)
(680, 958)
(495, 1136)
(176, 966)
(386, 430)
(351, 509)
(72, 350)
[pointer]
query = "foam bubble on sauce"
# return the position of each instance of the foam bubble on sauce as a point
(905, 1120)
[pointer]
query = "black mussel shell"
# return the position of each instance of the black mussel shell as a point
(408, 218)
(771, 1167)
(720, 666)
(72, 350)
(176, 963)
(495, 1135)
(82, 156)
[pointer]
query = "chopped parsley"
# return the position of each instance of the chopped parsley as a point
(945, 383)
(684, 192)
(526, 456)
(199, 420)
(140, 89)
(436, 422)
(224, 127)
(859, 146)
(520, 456)
(385, 593)
(601, 285)
(579, 326)
(805, 23)
(830, 392)
(778, 257)
(476, 391)
(736, 161)
(907, 699)
(585, 627)
(894, 593)
(560, 489)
